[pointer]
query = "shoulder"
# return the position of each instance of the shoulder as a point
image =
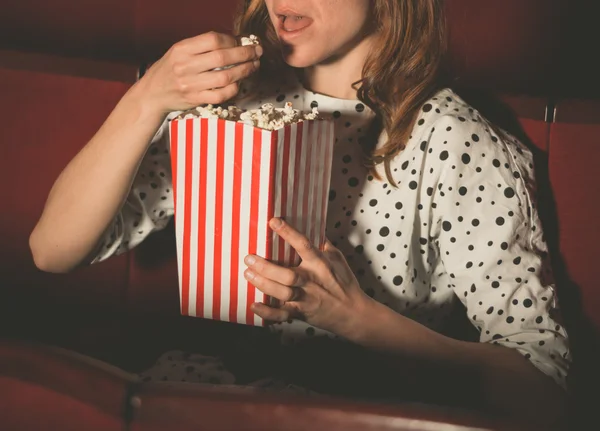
(454, 135)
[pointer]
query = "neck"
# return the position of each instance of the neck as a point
(335, 77)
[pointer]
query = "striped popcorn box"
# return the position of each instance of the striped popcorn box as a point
(229, 180)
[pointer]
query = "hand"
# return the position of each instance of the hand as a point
(185, 77)
(322, 291)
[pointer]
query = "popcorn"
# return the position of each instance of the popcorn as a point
(250, 40)
(244, 41)
(266, 117)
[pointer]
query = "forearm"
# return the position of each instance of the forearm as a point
(495, 378)
(92, 188)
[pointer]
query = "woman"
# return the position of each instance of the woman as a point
(442, 211)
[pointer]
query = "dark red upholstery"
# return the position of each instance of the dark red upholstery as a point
(575, 150)
(64, 65)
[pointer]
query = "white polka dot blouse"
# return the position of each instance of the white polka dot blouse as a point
(459, 232)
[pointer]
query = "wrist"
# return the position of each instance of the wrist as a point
(357, 326)
(141, 97)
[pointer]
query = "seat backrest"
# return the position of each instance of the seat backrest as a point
(574, 176)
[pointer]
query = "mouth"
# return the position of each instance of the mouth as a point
(291, 23)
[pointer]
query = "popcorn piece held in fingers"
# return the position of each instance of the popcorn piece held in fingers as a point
(249, 40)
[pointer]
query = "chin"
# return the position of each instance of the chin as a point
(294, 57)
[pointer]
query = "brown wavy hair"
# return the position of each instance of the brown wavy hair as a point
(398, 77)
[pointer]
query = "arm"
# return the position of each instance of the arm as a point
(90, 192)
(492, 250)
(439, 368)
(91, 189)
(412, 362)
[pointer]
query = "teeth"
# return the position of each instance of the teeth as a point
(296, 18)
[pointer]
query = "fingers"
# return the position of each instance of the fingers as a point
(300, 243)
(264, 268)
(206, 42)
(222, 78)
(331, 251)
(196, 64)
(218, 95)
(228, 57)
(274, 289)
(271, 314)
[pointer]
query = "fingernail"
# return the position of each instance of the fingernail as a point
(276, 223)
(249, 275)
(250, 260)
(256, 64)
(259, 50)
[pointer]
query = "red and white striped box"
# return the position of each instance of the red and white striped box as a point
(229, 180)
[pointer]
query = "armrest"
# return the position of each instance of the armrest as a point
(46, 388)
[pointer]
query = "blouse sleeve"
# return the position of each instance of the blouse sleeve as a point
(149, 205)
(489, 236)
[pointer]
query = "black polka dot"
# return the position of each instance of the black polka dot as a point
(398, 280)
(347, 158)
(373, 202)
(281, 98)
(384, 231)
(142, 195)
(427, 107)
(444, 155)
(360, 107)
(500, 221)
(337, 114)
(466, 159)
(413, 185)
(332, 195)
(517, 260)
(353, 182)
(527, 303)
(509, 192)
(399, 205)
(446, 225)
(462, 191)
(475, 137)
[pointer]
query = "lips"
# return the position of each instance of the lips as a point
(291, 20)
(294, 23)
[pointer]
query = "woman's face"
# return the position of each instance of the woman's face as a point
(318, 31)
